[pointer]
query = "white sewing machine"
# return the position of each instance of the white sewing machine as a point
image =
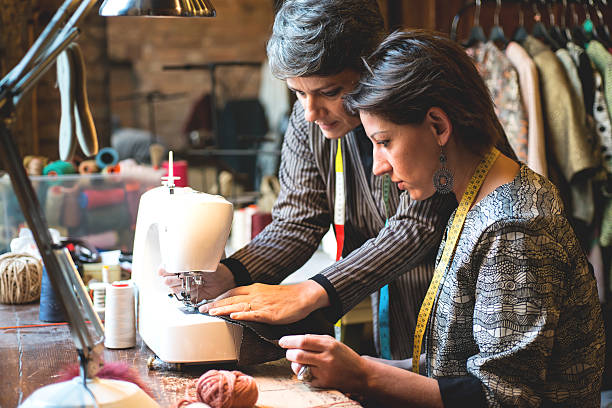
(185, 231)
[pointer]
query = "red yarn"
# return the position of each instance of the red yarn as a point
(225, 389)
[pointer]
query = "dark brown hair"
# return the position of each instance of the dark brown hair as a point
(412, 71)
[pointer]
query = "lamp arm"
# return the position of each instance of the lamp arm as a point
(29, 79)
(40, 45)
(61, 271)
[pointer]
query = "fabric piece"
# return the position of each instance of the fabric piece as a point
(518, 307)
(503, 83)
(132, 144)
(259, 342)
(530, 94)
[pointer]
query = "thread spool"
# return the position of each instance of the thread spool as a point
(54, 205)
(71, 211)
(156, 152)
(88, 167)
(119, 324)
(59, 168)
(180, 170)
(20, 278)
(107, 157)
(99, 298)
(51, 308)
(100, 198)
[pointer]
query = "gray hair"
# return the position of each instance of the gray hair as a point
(323, 37)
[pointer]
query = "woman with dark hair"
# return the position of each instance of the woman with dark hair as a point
(316, 47)
(511, 317)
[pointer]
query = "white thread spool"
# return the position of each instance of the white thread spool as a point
(119, 324)
(99, 294)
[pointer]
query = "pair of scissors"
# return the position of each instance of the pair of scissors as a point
(76, 123)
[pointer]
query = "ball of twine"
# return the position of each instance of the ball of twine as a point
(20, 278)
(225, 389)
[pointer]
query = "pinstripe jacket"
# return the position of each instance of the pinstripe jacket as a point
(401, 254)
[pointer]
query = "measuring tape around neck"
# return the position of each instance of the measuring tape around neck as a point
(449, 249)
(339, 214)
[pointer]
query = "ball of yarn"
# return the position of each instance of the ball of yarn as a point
(226, 389)
(20, 278)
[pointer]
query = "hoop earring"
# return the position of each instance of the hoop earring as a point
(443, 179)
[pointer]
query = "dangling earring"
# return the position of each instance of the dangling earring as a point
(443, 178)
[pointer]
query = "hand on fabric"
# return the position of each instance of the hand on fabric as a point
(273, 304)
(332, 364)
(215, 283)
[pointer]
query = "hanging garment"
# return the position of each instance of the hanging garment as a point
(585, 71)
(598, 106)
(585, 187)
(570, 141)
(502, 81)
(530, 94)
(602, 59)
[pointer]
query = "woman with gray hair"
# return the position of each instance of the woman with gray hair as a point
(384, 237)
(512, 317)
(316, 47)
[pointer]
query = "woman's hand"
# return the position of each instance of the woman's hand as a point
(273, 304)
(332, 364)
(214, 283)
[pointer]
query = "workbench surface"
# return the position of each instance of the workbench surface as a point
(31, 357)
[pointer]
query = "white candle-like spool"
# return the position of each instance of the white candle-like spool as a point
(119, 326)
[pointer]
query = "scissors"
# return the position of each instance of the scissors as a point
(76, 123)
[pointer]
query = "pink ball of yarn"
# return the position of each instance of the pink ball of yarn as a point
(227, 389)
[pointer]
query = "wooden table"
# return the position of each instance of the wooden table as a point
(31, 357)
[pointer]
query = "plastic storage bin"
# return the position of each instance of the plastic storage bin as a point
(98, 208)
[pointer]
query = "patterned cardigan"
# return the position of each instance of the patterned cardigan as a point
(517, 307)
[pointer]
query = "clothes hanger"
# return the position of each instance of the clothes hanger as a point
(453, 32)
(600, 30)
(579, 35)
(497, 32)
(477, 34)
(539, 30)
(521, 32)
(555, 31)
(565, 30)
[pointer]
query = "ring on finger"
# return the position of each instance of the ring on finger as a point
(305, 374)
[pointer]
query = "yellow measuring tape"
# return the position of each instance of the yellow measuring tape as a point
(339, 210)
(449, 249)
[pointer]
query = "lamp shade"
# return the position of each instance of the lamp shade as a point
(160, 8)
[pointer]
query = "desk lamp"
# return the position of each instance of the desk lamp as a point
(85, 390)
